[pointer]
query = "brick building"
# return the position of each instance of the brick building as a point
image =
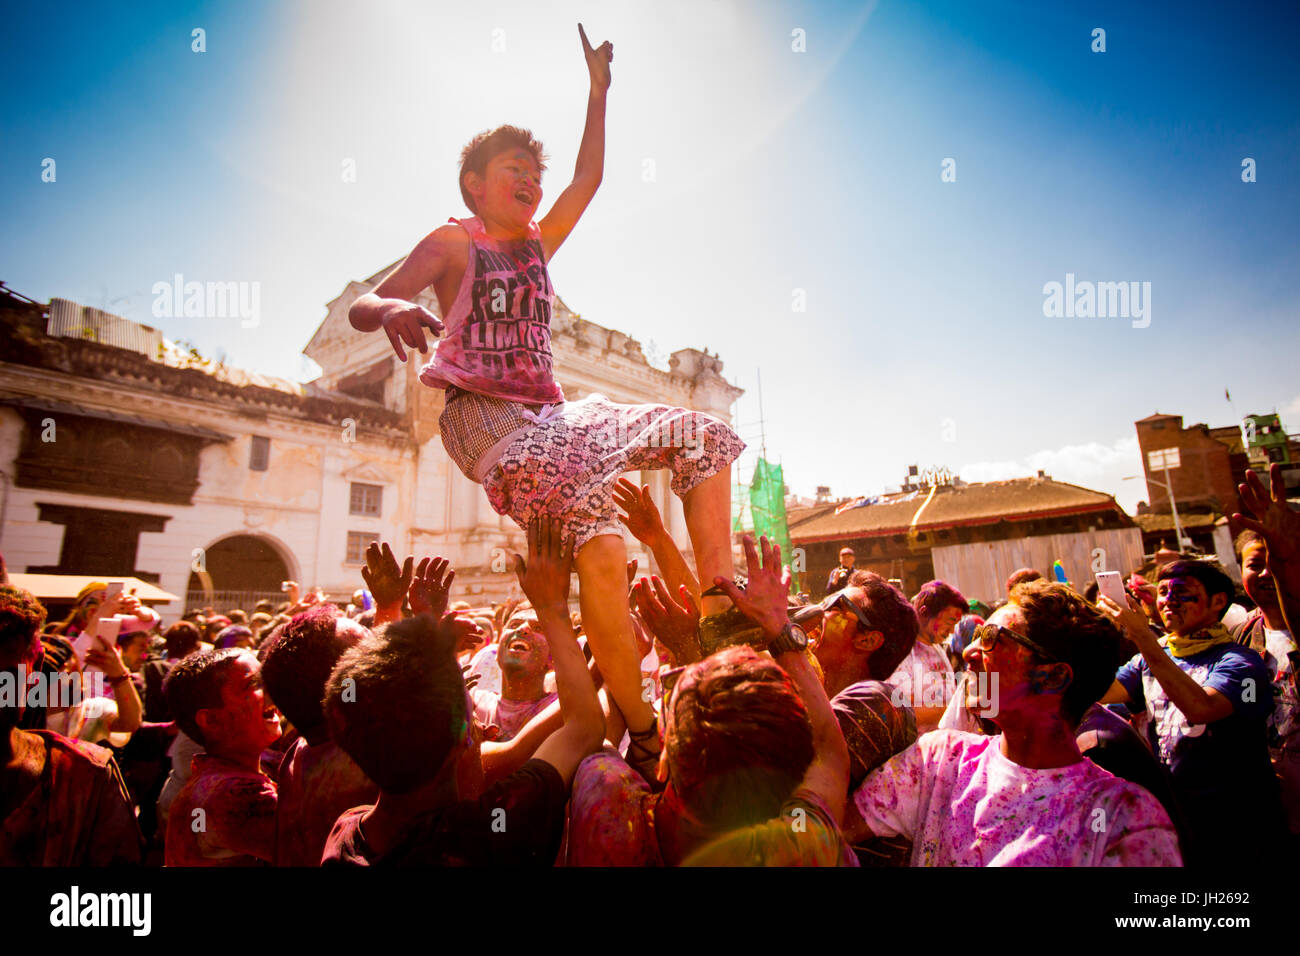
(1204, 480)
(1212, 461)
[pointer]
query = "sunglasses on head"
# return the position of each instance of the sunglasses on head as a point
(988, 635)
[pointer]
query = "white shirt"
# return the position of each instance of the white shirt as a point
(1279, 651)
(962, 802)
(924, 678)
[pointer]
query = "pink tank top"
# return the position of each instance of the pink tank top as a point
(497, 334)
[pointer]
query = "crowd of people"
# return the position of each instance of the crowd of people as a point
(1050, 728)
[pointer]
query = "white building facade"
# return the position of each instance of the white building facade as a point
(121, 456)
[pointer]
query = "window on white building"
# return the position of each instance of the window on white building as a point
(358, 541)
(259, 453)
(366, 499)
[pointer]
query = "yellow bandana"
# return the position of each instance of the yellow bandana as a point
(1196, 643)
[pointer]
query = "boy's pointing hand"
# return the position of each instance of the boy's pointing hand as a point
(598, 61)
(406, 323)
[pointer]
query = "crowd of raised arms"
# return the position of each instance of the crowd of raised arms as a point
(1053, 728)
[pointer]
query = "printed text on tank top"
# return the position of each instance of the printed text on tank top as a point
(497, 339)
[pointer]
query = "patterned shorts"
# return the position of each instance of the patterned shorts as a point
(568, 464)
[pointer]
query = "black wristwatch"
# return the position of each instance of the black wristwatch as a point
(791, 638)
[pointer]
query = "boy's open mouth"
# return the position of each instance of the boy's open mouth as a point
(525, 197)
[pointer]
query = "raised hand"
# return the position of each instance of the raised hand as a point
(1133, 621)
(545, 576)
(598, 61)
(431, 587)
(406, 322)
(642, 518)
(111, 606)
(107, 660)
(386, 581)
(131, 605)
(468, 634)
(471, 679)
(677, 626)
(765, 598)
(1274, 520)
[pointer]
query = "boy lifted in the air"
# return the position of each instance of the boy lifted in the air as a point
(506, 423)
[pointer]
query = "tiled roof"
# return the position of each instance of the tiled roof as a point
(975, 504)
(1165, 522)
(797, 516)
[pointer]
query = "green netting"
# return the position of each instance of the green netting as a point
(767, 506)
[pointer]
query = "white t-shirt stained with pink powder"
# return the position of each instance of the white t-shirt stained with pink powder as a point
(963, 802)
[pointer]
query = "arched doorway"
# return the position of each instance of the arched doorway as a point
(237, 572)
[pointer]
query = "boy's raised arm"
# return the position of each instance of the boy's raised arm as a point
(590, 168)
(390, 307)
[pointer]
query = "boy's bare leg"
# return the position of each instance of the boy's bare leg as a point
(607, 622)
(707, 507)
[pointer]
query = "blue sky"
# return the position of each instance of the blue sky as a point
(779, 177)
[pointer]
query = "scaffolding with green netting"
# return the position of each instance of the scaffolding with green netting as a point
(764, 511)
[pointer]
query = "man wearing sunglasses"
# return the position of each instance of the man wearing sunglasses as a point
(1027, 796)
(866, 631)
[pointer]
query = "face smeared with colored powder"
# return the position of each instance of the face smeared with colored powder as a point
(941, 625)
(1184, 605)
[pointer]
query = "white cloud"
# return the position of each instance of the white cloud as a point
(1094, 465)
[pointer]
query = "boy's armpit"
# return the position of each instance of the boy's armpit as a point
(439, 255)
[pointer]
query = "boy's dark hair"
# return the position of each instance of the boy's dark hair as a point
(1023, 576)
(21, 619)
(1214, 578)
(298, 661)
(396, 703)
(1245, 540)
(232, 635)
(1078, 634)
(481, 150)
(936, 596)
(194, 684)
(896, 618)
(741, 740)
